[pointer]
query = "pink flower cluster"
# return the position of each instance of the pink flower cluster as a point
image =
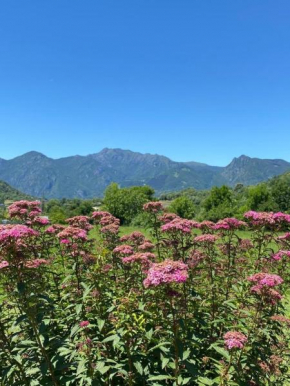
(264, 286)
(280, 254)
(15, 232)
(143, 258)
(97, 216)
(234, 339)
(23, 209)
(147, 246)
(54, 229)
(206, 225)
(135, 238)
(110, 224)
(267, 218)
(167, 217)
(266, 279)
(229, 224)
(42, 221)
(112, 229)
(80, 222)
(153, 207)
(206, 239)
(123, 250)
(168, 271)
(179, 225)
(72, 233)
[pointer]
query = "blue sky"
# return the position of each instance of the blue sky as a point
(201, 80)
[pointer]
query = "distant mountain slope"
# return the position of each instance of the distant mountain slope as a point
(9, 193)
(250, 171)
(88, 176)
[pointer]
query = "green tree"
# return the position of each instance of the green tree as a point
(183, 207)
(281, 194)
(260, 199)
(57, 215)
(126, 203)
(219, 203)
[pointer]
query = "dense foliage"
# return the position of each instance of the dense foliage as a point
(9, 193)
(196, 304)
(126, 203)
(59, 210)
(224, 201)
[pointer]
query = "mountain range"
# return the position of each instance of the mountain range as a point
(88, 176)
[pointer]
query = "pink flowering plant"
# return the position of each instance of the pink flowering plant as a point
(194, 304)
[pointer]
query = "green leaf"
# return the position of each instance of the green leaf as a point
(79, 308)
(160, 378)
(205, 381)
(139, 367)
(164, 362)
(160, 345)
(101, 324)
(221, 351)
(185, 355)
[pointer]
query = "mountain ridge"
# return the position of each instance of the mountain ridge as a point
(87, 176)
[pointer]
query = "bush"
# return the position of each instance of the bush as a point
(183, 207)
(209, 310)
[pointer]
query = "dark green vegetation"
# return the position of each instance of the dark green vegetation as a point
(9, 193)
(87, 177)
(224, 201)
(214, 204)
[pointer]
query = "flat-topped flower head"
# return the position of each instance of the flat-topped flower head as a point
(54, 229)
(15, 232)
(72, 233)
(134, 238)
(280, 217)
(143, 258)
(123, 250)
(167, 217)
(168, 271)
(147, 246)
(206, 239)
(179, 225)
(206, 225)
(266, 218)
(153, 207)
(229, 224)
(235, 340)
(112, 229)
(80, 222)
(264, 283)
(266, 279)
(41, 221)
(24, 209)
(97, 216)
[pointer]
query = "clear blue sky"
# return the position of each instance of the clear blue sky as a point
(202, 80)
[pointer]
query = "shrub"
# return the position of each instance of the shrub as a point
(195, 305)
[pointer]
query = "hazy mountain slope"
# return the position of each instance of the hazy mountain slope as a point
(88, 176)
(250, 171)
